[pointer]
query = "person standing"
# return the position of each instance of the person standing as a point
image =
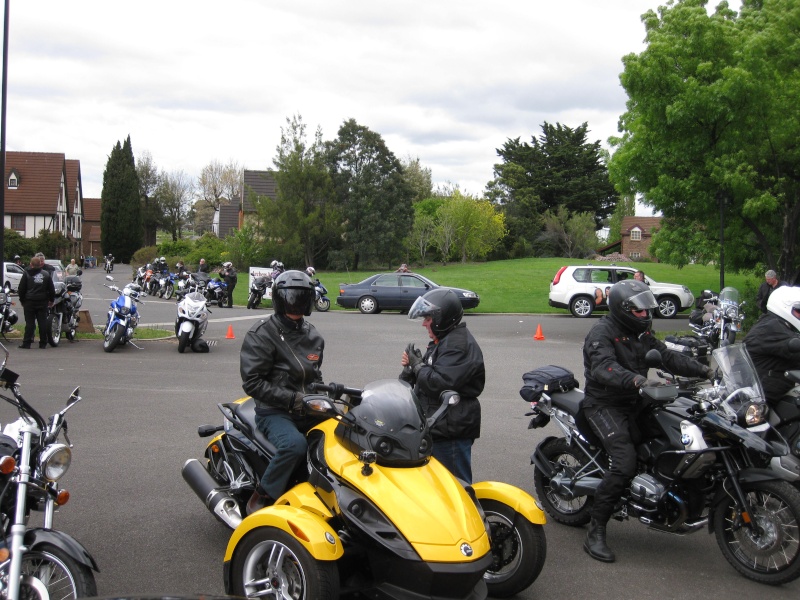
(202, 267)
(280, 357)
(72, 268)
(452, 361)
(229, 276)
(615, 368)
(36, 293)
(770, 283)
(49, 268)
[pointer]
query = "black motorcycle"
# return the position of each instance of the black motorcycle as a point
(8, 316)
(258, 288)
(37, 562)
(699, 467)
(63, 317)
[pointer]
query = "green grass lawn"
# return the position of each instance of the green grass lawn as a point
(523, 285)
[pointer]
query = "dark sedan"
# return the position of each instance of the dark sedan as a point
(393, 291)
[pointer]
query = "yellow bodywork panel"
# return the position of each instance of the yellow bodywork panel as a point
(520, 500)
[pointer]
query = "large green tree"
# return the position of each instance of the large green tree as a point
(152, 215)
(711, 132)
(372, 193)
(303, 213)
(174, 195)
(559, 168)
(120, 208)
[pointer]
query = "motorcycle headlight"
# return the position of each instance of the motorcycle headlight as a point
(55, 461)
(751, 414)
(124, 310)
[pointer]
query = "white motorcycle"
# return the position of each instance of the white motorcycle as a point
(191, 322)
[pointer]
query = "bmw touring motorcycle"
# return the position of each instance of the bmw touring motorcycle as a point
(703, 464)
(372, 511)
(37, 562)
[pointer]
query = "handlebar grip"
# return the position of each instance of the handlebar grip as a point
(336, 390)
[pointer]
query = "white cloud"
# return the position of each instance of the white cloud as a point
(196, 81)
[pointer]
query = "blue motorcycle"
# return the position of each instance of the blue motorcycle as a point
(123, 317)
(217, 291)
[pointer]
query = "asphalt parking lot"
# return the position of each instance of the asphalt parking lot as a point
(141, 407)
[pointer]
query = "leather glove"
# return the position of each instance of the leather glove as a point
(641, 381)
(297, 405)
(414, 358)
(711, 373)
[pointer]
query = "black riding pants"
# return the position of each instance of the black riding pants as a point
(616, 428)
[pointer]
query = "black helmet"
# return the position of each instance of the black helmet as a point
(629, 295)
(293, 293)
(444, 308)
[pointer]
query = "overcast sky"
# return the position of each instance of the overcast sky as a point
(193, 81)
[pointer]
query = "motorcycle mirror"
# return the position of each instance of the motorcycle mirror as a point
(653, 358)
(448, 398)
(74, 397)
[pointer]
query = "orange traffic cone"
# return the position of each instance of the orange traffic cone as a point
(539, 335)
(230, 335)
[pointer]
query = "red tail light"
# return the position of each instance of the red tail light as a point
(557, 278)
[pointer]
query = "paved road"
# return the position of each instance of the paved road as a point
(137, 425)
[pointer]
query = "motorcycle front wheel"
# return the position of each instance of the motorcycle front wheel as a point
(323, 304)
(113, 337)
(251, 302)
(54, 329)
(519, 548)
(169, 289)
(51, 570)
(271, 563)
(769, 551)
(568, 510)
(183, 341)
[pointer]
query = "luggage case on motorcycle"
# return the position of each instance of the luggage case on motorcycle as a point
(689, 345)
(550, 378)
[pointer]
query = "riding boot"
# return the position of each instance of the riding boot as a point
(595, 544)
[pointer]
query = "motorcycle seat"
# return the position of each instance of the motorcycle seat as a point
(569, 401)
(246, 411)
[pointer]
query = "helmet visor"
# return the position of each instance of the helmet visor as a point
(421, 308)
(641, 301)
(296, 301)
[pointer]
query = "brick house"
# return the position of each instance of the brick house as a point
(231, 216)
(43, 191)
(637, 233)
(91, 227)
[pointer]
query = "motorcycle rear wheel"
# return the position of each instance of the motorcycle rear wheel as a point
(112, 338)
(269, 562)
(568, 511)
(54, 329)
(61, 576)
(519, 549)
(770, 554)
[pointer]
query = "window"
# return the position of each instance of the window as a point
(386, 281)
(409, 281)
(636, 235)
(601, 276)
(18, 222)
(636, 255)
(13, 181)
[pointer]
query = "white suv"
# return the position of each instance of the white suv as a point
(583, 290)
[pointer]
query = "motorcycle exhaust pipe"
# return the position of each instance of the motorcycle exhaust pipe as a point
(221, 505)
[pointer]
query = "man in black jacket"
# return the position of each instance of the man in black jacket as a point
(230, 277)
(36, 293)
(767, 341)
(280, 357)
(614, 366)
(452, 361)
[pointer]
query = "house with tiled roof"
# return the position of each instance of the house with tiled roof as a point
(43, 191)
(91, 227)
(637, 233)
(231, 216)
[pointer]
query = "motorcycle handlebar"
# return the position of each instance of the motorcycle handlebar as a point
(335, 390)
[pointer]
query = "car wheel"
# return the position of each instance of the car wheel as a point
(581, 306)
(368, 305)
(667, 307)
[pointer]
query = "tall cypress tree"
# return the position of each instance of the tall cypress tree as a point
(120, 214)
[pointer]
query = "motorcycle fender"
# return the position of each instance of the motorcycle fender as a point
(540, 461)
(751, 475)
(37, 537)
(513, 497)
(187, 326)
(309, 529)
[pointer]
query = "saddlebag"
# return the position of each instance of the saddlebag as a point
(689, 345)
(550, 378)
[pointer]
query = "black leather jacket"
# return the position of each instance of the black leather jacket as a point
(767, 343)
(613, 358)
(455, 363)
(280, 357)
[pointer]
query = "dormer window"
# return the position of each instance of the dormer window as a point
(13, 180)
(636, 234)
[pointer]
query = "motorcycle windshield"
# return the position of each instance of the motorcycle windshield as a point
(729, 296)
(738, 375)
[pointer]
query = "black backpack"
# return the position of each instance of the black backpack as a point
(550, 378)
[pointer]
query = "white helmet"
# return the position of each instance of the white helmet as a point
(311, 271)
(162, 259)
(784, 302)
(273, 264)
(227, 265)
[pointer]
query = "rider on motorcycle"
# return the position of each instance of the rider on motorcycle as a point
(614, 367)
(312, 273)
(767, 341)
(280, 357)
